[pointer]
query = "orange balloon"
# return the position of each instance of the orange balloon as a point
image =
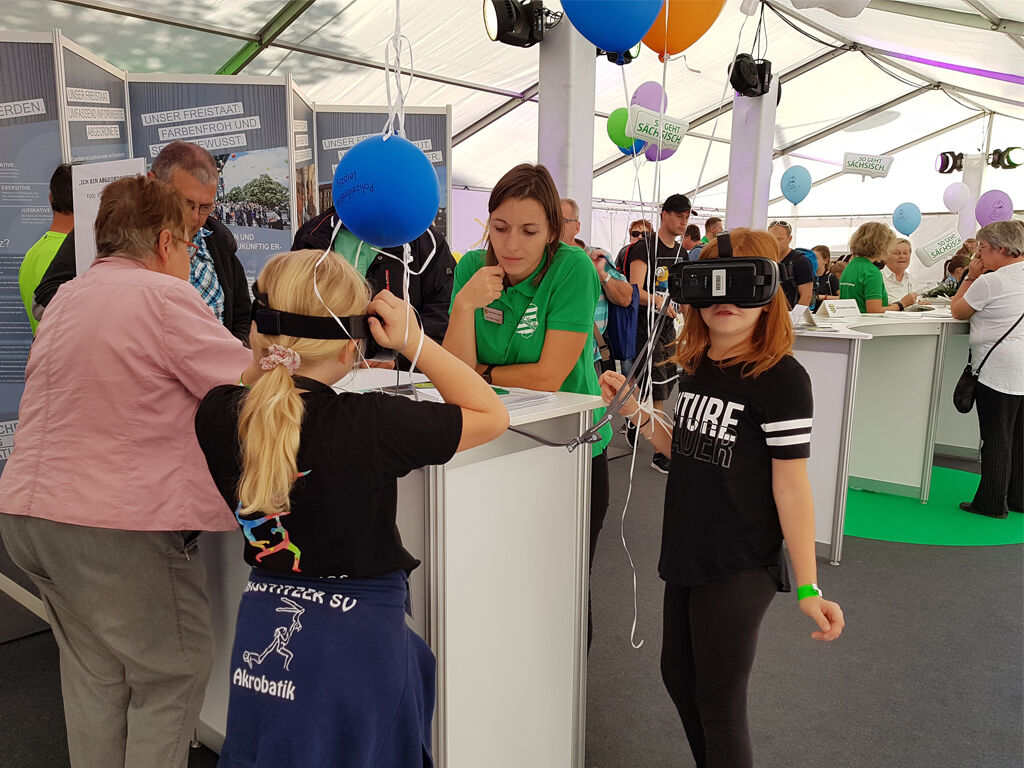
(688, 20)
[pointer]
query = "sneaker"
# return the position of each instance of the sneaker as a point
(661, 462)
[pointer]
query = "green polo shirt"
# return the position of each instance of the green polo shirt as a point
(564, 300)
(34, 266)
(862, 280)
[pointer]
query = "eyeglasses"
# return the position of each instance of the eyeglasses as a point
(204, 210)
(564, 219)
(193, 249)
(785, 224)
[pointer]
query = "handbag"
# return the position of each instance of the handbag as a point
(621, 331)
(967, 385)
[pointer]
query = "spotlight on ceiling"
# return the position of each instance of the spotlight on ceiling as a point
(1011, 157)
(516, 22)
(947, 162)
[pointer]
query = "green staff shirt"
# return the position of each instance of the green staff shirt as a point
(34, 266)
(565, 300)
(862, 280)
(354, 251)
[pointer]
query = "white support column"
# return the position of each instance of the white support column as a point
(565, 135)
(750, 159)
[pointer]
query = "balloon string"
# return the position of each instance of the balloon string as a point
(396, 45)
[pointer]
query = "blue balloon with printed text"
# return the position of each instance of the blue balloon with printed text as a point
(906, 218)
(796, 184)
(386, 191)
(612, 25)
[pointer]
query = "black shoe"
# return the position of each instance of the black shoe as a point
(630, 434)
(966, 506)
(662, 463)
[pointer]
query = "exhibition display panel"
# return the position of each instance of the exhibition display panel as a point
(502, 531)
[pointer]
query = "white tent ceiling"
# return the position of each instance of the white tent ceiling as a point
(835, 72)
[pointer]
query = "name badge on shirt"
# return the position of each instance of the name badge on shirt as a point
(493, 315)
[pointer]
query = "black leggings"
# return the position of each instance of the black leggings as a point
(707, 652)
(599, 493)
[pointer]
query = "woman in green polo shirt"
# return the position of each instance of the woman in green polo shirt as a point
(522, 310)
(862, 280)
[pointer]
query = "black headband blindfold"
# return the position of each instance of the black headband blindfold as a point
(273, 322)
(744, 281)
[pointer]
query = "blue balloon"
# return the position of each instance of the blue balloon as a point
(638, 147)
(386, 192)
(612, 25)
(906, 218)
(796, 183)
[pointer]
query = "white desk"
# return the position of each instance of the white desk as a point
(503, 533)
(882, 407)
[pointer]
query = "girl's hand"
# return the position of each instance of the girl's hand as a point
(827, 615)
(611, 382)
(482, 288)
(389, 316)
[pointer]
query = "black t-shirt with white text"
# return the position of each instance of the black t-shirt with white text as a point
(720, 513)
(352, 449)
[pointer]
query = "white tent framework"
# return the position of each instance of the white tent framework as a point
(905, 77)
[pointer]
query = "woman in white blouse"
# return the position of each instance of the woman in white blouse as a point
(894, 274)
(992, 298)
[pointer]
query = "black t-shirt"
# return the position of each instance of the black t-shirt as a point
(665, 256)
(794, 270)
(352, 447)
(720, 514)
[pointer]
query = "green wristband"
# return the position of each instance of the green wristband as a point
(807, 590)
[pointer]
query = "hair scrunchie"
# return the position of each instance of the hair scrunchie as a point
(278, 355)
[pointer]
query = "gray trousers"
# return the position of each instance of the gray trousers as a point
(131, 617)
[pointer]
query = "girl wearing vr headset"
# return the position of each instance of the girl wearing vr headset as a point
(324, 670)
(738, 485)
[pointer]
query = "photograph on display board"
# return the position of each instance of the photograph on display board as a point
(305, 193)
(252, 189)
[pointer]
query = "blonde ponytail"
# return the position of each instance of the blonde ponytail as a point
(268, 428)
(270, 421)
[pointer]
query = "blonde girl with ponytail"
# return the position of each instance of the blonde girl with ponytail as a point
(322, 654)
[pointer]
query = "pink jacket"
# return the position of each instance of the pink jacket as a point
(106, 435)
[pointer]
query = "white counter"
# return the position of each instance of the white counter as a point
(882, 407)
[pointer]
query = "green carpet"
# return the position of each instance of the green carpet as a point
(941, 521)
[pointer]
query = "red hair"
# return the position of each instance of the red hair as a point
(772, 338)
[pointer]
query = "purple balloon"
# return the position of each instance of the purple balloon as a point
(994, 205)
(654, 154)
(650, 95)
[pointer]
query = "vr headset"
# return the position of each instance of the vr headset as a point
(273, 322)
(744, 281)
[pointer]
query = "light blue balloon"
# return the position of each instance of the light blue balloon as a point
(612, 25)
(906, 218)
(796, 183)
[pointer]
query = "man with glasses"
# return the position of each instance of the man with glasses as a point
(215, 269)
(796, 275)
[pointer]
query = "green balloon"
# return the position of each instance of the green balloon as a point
(617, 128)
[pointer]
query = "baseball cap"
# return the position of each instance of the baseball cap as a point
(676, 204)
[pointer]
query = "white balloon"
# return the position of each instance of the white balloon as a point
(956, 196)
